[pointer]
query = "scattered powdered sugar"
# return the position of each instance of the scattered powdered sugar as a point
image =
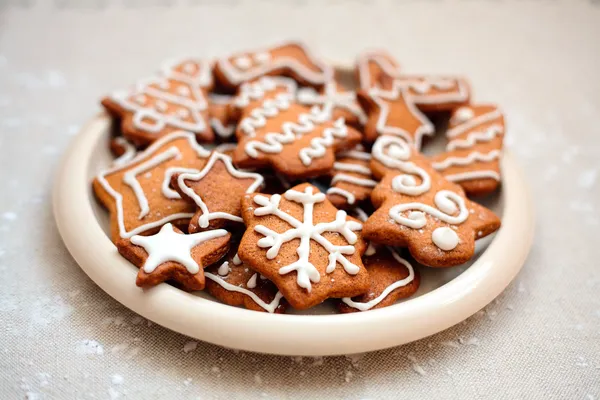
(355, 359)
(46, 311)
(469, 341)
(297, 359)
(90, 347)
(450, 343)
(116, 379)
(257, 379)
(318, 361)
(190, 346)
(348, 376)
(188, 381)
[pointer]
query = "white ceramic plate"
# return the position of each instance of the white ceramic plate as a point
(446, 297)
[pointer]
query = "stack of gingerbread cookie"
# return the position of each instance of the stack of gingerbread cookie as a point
(253, 177)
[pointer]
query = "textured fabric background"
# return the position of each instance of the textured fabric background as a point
(63, 337)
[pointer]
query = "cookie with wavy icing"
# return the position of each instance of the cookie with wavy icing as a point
(170, 255)
(233, 283)
(291, 59)
(216, 190)
(173, 100)
(419, 209)
(138, 194)
(434, 92)
(351, 181)
(392, 112)
(472, 156)
(309, 249)
(375, 69)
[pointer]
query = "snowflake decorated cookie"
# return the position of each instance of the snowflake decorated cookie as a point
(233, 283)
(419, 209)
(170, 255)
(351, 181)
(138, 194)
(375, 68)
(472, 156)
(393, 112)
(174, 100)
(294, 140)
(290, 59)
(217, 191)
(310, 250)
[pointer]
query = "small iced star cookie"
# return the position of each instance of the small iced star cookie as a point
(174, 100)
(295, 141)
(434, 93)
(290, 59)
(344, 102)
(170, 255)
(351, 181)
(137, 193)
(472, 156)
(217, 191)
(233, 283)
(310, 250)
(375, 68)
(393, 112)
(419, 209)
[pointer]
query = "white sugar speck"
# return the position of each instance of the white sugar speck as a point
(318, 361)
(418, 369)
(587, 179)
(297, 359)
(215, 369)
(116, 379)
(355, 359)
(113, 394)
(470, 342)
(188, 381)
(257, 379)
(348, 376)
(90, 347)
(450, 343)
(190, 346)
(9, 216)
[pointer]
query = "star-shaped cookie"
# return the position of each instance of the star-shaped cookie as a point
(138, 193)
(174, 100)
(310, 250)
(375, 69)
(217, 191)
(170, 255)
(419, 209)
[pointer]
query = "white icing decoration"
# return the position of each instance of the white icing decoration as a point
(318, 145)
(251, 284)
(379, 95)
(401, 283)
(258, 116)
(471, 158)
(262, 57)
(349, 167)
(148, 154)
(270, 307)
(253, 91)
(223, 269)
(167, 245)
(237, 76)
(242, 62)
(382, 59)
(226, 147)
(462, 115)
(154, 120)
(128, 154)
(370, 250)
(394, 152)
(417, 219)
(236, 260)
(350, 198)
(422, 87)
(357, 154)
(344, 100)
(470, 175)
(487, 135)
(445, 238)
(472, 123)
(354, 180)
(221, 130)
(207, 215)
(306, 231)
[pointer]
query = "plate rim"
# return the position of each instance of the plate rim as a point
(285, 334)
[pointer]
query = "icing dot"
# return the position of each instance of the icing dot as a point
(262, 57)
(223, 269)
(252, 282)
(242, 62)
(183, 91)
(461, 115)
(444, 238)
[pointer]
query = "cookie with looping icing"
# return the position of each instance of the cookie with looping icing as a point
(291, 59)
(138, 194)
(472, 156)
(419, 209)
(171, 255)
(309, 249)
(171, 101)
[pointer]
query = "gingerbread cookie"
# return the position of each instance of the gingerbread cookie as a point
(393, 112)
(123, 149)
(175, 100)
(290, 59)
(375, 68)
(138, 193)
(217, 191)
(434, 93)
(233, 283)
(344, 102)
(297, 142)
(351, 181)
(302, 232)
(419, 209)
(170, 255)
(472, 156)
(218, 111)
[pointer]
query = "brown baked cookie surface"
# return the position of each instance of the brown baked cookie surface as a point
(310, 250)
(435, 92)
(419, 209)
(376, 69)
(170, 255)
